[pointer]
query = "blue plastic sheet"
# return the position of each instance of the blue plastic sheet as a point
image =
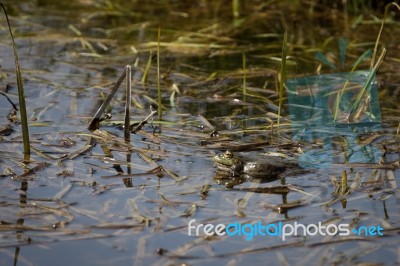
(335, 106)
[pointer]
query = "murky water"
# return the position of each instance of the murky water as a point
(110, 204)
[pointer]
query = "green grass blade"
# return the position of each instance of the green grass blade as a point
(342, 50)
(364, 56)
(158, 75)
(147, 69)
(366, 86)
(244, 76)
(282, 76)
(21, 97)
(380, 32)
(235, 8)
(322, 58)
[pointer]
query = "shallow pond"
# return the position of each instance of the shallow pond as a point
(91, 198)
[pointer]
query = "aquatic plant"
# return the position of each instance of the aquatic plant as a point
(21, 97)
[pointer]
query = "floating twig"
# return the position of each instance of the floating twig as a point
(33, 170)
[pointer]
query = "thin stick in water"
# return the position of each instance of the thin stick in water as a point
(128, 72)
(94, 124)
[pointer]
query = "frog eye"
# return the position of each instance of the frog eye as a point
(228, 154)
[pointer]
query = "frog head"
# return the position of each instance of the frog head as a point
(228, 162)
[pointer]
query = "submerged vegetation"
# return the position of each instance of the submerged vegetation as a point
(107, 169)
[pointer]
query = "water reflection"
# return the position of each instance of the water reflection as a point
(20, 221)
